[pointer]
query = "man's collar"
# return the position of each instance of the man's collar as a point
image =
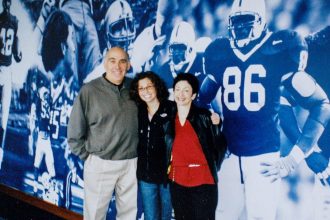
(119, 86)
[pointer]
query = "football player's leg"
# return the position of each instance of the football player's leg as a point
(39, 153)
(260, 191)
(1, 156)
(35, 182)
(32, 127)
(71, 178)
(230, 189)
(3, 71)
(6, 98)
(321, 201)
(49, 158)
(37, 162)
(30, 144)
(67, 190)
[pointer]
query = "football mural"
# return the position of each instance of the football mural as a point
(263, 65)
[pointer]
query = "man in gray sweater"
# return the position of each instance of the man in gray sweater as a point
(103, 131)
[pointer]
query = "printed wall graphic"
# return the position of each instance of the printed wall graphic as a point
(245, 56)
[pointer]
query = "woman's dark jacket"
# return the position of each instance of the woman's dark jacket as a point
(152, 160)
(155, 145)
(210, 137)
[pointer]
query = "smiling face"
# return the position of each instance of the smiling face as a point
(183, 93)
(147, 90)
(116, 65)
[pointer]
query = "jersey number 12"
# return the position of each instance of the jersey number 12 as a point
(7, 37)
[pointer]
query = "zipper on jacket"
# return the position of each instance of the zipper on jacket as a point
(148, 145)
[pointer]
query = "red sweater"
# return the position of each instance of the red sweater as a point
(189, 166)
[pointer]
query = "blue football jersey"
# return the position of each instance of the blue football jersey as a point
(8, 32)
(195, 67)
(42, 110)
(62, 101)
(250, 86)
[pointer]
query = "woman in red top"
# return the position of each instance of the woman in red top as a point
(197, 149)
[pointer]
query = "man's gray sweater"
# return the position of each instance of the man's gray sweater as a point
(103, 122)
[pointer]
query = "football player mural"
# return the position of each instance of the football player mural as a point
(318, 158)
(252, 67)
(183, 56)
(118, 28)
(262, 65)
(9, 45)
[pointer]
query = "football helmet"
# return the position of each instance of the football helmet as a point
(181, 44)
(44, 93)
(247, 21)
(119, 25)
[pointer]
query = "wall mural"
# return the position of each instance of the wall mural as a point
(50, 48)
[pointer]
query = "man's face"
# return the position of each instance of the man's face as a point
(116, 65)
(70, 51)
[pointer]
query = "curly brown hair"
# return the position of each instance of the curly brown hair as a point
(161, 90)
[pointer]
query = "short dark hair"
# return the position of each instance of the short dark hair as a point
(161, 90)
(56, 32)
(190, 78)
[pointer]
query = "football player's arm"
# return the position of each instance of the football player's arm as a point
(320, 165)
(152, 37)
(208, 91)
(147, 41)
(315, 160)
(288, 122)
(77, 129)
(17, 53)
(308, 94)
(47, 7)
(212, 68)
(164, 15)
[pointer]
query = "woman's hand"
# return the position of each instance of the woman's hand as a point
(215, 118)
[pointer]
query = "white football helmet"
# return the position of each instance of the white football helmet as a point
(181, 44)
(44, 93)
(247, 21)
(119, 25)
